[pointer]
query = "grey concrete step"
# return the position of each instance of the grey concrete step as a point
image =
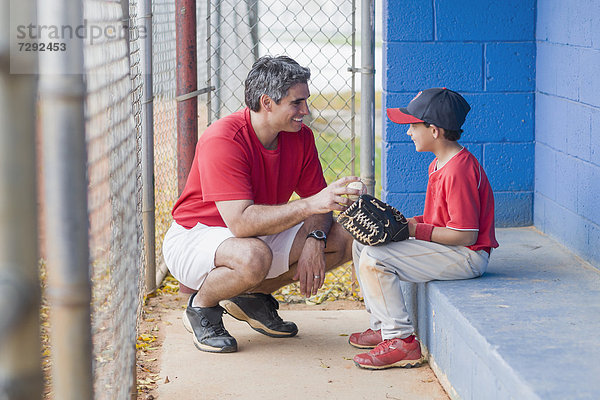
(528, 329)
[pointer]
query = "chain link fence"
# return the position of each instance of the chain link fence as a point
(164, 66)
(231, 35)
(319, 35)
(113, 140)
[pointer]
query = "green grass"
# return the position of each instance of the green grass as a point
(337, 159)
(336, 154)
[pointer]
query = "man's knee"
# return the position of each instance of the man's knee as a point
(250, 258)
(341, 241)
(256, 261)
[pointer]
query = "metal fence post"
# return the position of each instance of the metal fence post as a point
(252, 6)
(145, 15)
(217, 19)
(367, 96)
(187, 83)
(20, 370)
(126, 23)
(209, 57)
(62, 95)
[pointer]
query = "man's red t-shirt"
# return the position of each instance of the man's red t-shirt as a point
(459, 196)
(231, 164)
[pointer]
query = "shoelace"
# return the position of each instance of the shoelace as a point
(274, 305)
(383, 346)
(217, 329)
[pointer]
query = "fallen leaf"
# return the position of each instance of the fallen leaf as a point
(147, 337)
(144, 368)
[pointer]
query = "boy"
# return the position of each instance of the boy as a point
(451, 240)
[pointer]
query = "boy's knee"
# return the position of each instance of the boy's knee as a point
(366, 263)
(357, 249)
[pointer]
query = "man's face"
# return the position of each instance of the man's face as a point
(291, 109)
(421, 135)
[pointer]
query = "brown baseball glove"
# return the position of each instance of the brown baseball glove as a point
(373, 222)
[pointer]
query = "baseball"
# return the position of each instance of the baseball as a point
(356, 185)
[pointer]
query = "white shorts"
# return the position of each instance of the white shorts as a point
(190, 253)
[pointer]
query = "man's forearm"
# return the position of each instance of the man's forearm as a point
(246, 219)
(259, 220)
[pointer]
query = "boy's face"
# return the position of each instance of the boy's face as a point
(422, 136)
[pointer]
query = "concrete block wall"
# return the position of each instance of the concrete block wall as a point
(486, 51)
(567, 120)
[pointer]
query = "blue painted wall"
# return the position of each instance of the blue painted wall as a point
(567, 120)
(486, 50)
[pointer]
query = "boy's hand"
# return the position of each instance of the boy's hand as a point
(412, 226)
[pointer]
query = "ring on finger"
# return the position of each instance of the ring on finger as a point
(316, 276)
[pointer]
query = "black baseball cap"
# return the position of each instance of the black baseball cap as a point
(438, 106)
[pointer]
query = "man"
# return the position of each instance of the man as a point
(236, 237)
(453, 238)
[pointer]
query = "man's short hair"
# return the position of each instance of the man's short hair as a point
(272, 76)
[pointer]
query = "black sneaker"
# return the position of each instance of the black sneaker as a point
(260, 312)
(206, 324)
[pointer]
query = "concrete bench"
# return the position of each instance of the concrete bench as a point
(528, 329)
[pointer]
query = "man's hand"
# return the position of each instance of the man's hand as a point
(311, 267)
(333, 197)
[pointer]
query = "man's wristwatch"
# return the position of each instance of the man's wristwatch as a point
(319, 235)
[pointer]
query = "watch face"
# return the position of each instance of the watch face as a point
(318, 234)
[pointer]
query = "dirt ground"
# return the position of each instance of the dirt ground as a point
(151, 336)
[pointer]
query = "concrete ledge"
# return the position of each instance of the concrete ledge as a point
(528, 329)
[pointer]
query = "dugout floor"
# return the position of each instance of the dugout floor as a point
(316, 364)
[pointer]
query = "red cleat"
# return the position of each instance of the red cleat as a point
(365, 340)
(392, 353)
